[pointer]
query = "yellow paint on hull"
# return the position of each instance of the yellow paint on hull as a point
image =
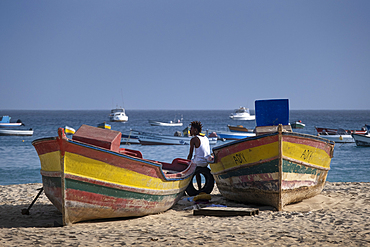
(306, 154)
(50, 162)
(89, 168)
(294, 151)
(247, 156)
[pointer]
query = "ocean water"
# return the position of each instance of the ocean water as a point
(20, 164)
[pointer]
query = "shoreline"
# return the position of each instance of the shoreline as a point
(340, 215)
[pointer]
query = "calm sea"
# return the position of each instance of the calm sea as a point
(20, 164)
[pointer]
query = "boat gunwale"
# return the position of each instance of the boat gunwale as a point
(157, 164)
(184, 174)
(44, 139)
(272, 134)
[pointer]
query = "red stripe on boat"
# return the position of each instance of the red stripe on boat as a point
(248, 144)
(107, 201)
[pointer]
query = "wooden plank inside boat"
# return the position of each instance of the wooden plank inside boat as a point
(226, 211)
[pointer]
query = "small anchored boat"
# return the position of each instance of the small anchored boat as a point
(242, 114)
(340, 136)
(298, 125)
(5, 122)
(118, 115)
(167, 124)
(16, 132)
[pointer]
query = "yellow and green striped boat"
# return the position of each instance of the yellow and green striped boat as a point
(91, 177)
(274, 168)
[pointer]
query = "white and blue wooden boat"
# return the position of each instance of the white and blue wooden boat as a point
(232, 135)
(130, 138)
(362, 140)
(5, 122)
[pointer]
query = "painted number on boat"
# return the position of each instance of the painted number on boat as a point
(239, 158)
(307, 155)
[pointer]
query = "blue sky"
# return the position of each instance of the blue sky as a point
(184, 54)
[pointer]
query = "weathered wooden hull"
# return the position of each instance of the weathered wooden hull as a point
(86, 182)
(272, 169)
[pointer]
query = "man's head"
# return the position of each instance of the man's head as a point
(196, 125)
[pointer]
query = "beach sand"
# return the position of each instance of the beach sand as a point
(339, 216)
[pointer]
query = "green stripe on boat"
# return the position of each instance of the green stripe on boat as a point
(119, 193)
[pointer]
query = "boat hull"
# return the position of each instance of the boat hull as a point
(230, 135)
(245, 118)
(6, 132)
(334, 131)
(86, 182)
(118, 119)
(298, 125)
(238, 128)
(118, 115)
(163, 140)
(7, 125)
(362, 140)
(272, 169)
(146, 138)
(339, 138)
(169, 124)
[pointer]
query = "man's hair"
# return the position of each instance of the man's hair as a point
(197, 125)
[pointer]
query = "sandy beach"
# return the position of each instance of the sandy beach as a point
(339, 216)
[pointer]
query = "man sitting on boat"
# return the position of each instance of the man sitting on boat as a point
(202, 150)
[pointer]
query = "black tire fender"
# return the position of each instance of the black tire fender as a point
(209, 185)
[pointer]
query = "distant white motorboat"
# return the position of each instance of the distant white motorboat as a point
(118, 115)
(16, 132)
(170, 123)
(242, 114)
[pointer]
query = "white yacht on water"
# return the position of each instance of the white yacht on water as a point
(242, 114)
(118, 115)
